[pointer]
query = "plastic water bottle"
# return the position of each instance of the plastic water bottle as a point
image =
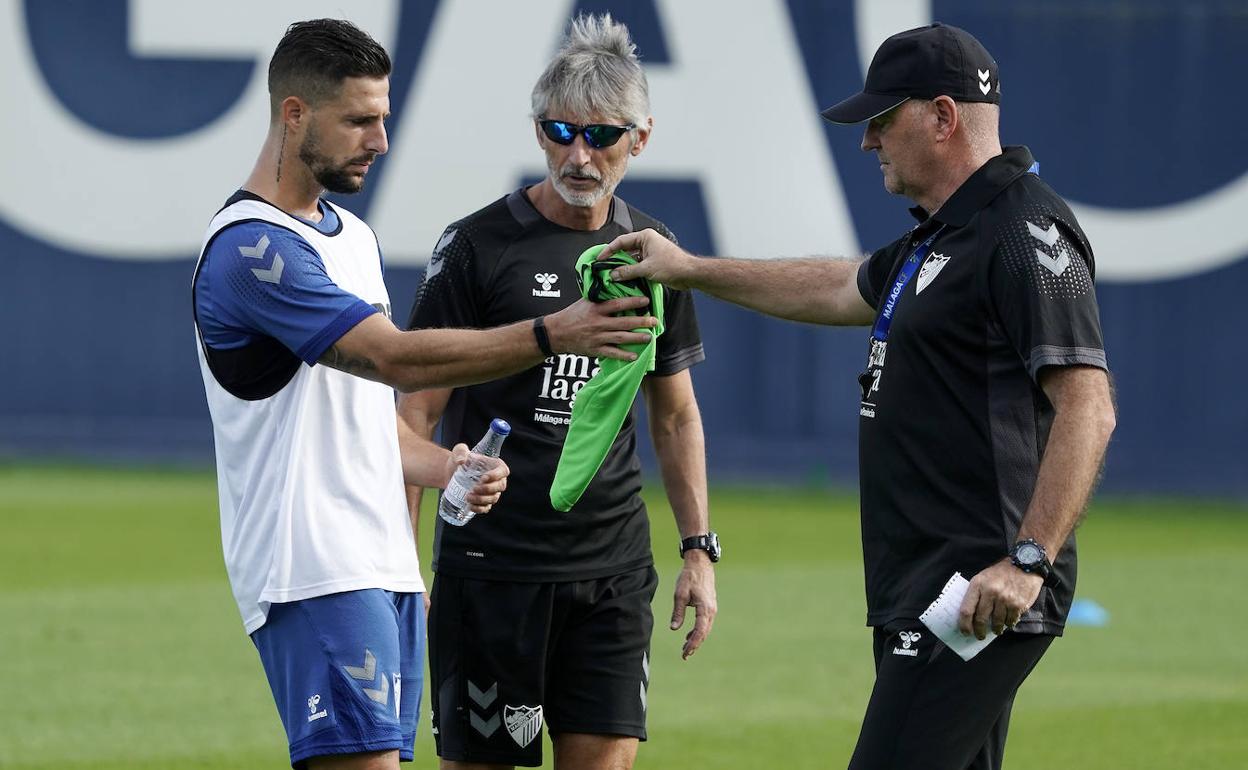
(453, 507)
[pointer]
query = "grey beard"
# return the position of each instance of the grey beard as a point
(576, 198)
(606, 187)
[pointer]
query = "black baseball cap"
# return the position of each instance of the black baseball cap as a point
(922, 63)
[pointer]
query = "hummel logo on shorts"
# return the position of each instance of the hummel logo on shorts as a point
(908, 638)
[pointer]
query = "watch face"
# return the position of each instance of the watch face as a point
(713, 546)
(1028, 553)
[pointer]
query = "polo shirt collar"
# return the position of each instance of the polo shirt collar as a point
(980, 188)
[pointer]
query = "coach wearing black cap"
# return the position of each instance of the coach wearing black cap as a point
(985, 407)
(922, 63)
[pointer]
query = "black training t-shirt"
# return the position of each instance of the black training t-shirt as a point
(506, 263)
(953, 422)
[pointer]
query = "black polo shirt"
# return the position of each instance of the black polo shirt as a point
(503, 264)
(953, 423)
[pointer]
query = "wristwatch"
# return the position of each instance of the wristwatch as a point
(1030, 557)
(708, 542)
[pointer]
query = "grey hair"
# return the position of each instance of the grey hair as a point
(596, 71)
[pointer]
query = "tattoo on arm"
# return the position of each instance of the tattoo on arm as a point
(360, 366)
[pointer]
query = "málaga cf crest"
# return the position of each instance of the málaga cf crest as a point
(523, 722)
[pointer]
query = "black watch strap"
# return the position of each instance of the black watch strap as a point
(708, 542)
(543, 339)
(1031, 557)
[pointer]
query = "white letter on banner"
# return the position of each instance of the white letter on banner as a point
(465, 137)
(108, 196)
(763, 198)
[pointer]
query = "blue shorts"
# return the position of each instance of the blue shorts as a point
(346, 671)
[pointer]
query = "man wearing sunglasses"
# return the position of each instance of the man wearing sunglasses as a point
(540, 617)
(986, 405)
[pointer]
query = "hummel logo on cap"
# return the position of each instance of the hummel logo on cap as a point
(922, 63)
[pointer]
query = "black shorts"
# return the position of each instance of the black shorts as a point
(931, 710)
(506, 658)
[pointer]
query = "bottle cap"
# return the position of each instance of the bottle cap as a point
(500, 426)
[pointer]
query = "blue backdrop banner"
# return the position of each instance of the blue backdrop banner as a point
(129, 123)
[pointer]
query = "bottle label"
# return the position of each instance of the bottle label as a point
(456, 492)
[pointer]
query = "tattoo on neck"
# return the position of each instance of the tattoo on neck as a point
(281, 152)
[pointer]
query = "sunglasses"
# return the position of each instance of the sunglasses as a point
(597, 135)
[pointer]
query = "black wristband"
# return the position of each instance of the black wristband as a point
(543, 339)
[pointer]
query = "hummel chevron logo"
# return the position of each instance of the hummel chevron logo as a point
(274, 273)
(444, 241)
(645, 670)
(1055, 265)
(257, 251)
(483, 699)
(367, 673)
(369, 669)
(382, 696)
(984, 86)
(1047, 237)
(484, 726)
(435, 261)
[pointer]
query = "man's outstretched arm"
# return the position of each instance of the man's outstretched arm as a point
(821, 290)
(429, 358)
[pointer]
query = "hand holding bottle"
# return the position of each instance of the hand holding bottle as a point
(479, 480)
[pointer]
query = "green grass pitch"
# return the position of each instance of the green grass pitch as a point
(120, 646)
